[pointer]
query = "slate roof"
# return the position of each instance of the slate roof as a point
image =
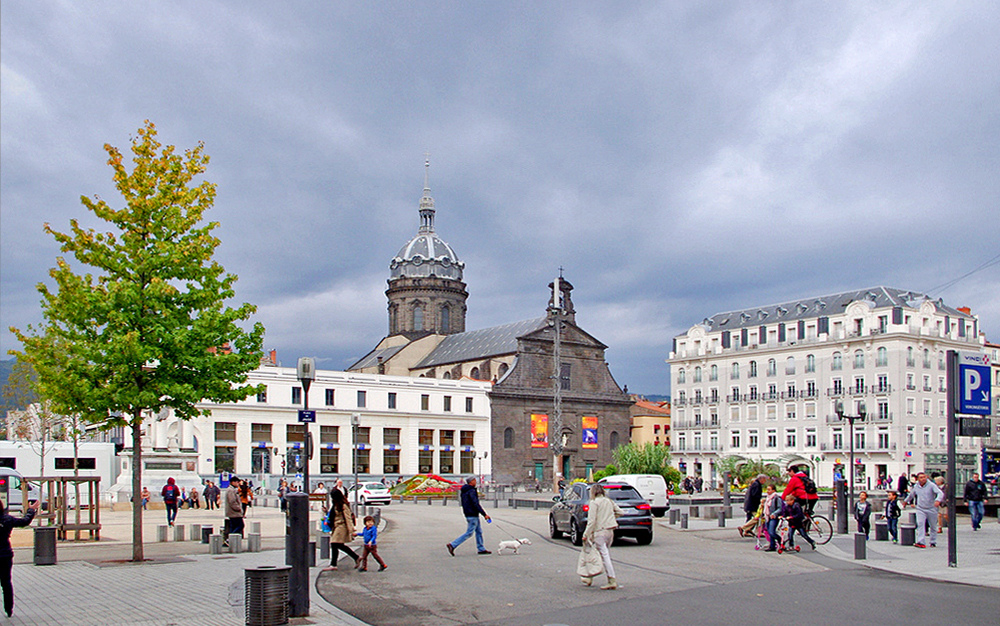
(371, 359)
(809, 308)
(480, 344)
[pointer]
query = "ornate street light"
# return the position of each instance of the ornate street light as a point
(862, 413)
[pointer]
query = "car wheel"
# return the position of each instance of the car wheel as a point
(644, 539)
(554, 532)
(575, 535)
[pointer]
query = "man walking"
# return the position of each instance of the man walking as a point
(233, 512)
(926, 496)
(472, 510)
(171, 493)
(975, 495)
(751, 502)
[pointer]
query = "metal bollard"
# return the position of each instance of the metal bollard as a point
(235, 544)
(179, 532)
(881, 531)
(253, 542)
(430, 501)
(722, 519)
(860, 547)
(312, 554)
(215, 544)
(907, 534)
(161, 533)
(324, 547)
(684, 521)
(444, 501)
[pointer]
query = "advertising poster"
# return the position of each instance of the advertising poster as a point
(589, 432)
(539, 430)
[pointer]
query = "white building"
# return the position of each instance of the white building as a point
(407, 426)
(763, 383)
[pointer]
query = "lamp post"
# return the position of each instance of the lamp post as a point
(355, 422)
(862, 413)
(481, 459)
(306, 374)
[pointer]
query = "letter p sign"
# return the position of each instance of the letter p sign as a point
(974, 392)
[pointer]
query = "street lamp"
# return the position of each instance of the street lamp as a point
(862, 413)
(481, 459)
(355, 422)
(306, 372)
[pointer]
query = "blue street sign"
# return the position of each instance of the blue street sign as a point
(973, 383)
(307, 416)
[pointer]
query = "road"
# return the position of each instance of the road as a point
(707, 577)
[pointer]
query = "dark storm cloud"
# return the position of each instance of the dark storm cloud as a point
(678, 160)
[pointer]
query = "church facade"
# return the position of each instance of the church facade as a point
(585, 419)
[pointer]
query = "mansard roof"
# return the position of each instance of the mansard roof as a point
(480, 344)
(835, 304)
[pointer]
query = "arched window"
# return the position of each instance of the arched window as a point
(859, 359)
(697, 374)
(735, 372)
(474, 373)
(882, 357)
(713, 374)
(508, 437)
(446, 376)
(772, 367)
(810, 363)
(502, 370)
(753, 369)
(909, 356)
(418, 318)
(613, 439)
(445, 319)
(790, 365)
(838, 361)
(681, 376)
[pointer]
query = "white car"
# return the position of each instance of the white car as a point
(370, 493)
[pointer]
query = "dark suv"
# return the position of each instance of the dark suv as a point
(569, 513)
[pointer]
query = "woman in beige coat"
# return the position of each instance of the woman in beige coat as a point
(342, 528)
(600, 531)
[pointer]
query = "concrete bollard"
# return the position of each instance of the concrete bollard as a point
(496, 503)
(179, 532)
(860, 547)
(444, 501)
(253, 542)
(881, 531)
(430, 501)
(255, 528)
(414, 499)
(324, 547)
(536, 504)
(235, 544)
(312, 554)
(722, 519)
(693, 512)
(215, 544)
(672, 516)
(907, 534)
(161, 533)
(684, 521)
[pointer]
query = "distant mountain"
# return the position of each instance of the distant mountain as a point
(655, 397)
(5, 368)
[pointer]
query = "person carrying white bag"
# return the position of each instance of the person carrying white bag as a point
(597, 538)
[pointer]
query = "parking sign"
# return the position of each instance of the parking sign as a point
(973, 383)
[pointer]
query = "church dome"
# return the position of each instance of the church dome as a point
(426, 254)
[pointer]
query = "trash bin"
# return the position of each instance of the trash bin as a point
(266, 595)
(45, 545)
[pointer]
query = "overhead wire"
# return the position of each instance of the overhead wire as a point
(951, 283)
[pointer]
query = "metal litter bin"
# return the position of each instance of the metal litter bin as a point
(45, 545)
(266, 595)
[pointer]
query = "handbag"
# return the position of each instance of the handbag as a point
(589, 563)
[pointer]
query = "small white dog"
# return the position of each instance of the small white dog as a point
(513, 544)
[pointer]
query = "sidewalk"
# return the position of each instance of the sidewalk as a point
(181, 584)
(978, 552)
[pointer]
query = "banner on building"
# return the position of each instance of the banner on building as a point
(589, 432)
(539, 430)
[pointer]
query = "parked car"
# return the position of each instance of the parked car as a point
(11, 491)
(569, 513)
(652, 487)
(370, 493)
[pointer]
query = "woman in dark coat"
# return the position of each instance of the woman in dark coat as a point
(342, 528)
(7, 524)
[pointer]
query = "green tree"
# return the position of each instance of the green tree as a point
(138, 335)
(646, 459)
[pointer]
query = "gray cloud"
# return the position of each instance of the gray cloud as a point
(676, 160)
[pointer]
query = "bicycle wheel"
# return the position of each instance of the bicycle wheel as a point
(820, 529)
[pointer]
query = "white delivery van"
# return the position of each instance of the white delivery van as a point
(652, 487)
(10, 489)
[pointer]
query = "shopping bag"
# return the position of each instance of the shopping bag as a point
(325, 526)
(590, 563)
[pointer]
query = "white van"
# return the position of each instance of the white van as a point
(652, 487)
(10, 489)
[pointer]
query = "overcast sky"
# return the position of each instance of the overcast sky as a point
(678, 159)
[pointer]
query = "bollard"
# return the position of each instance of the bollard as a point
(722, 519)
(324, 547)
(513, 503)
(312, 554)
(255, 528)
(235, 544)
(672, 516)
(684, 521)
(860, 547)
(414, 499)
(693, 512)
(161, 533)
(536, 503)
(179, 532)
(430, 501)
(881, 531)
(296, 546)
(45, 545)
(444, 501)
(496, 503)
(215, 544)
(206, 533)
(907, 534)
(253, 542)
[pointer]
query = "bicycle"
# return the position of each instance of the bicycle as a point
(819, 528)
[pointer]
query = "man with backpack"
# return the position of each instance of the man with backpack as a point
(171, 493)
(803, 488)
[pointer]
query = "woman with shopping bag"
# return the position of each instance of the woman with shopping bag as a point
(599, 534)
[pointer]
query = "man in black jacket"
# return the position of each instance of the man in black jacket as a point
(472, 510)
(975, 495)
(751, 501)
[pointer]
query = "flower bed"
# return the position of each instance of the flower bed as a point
(426, 485)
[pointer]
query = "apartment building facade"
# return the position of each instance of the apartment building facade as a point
(765, 383)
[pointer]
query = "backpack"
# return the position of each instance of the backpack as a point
(808, 485)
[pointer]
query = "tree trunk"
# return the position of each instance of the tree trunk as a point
(137, 552)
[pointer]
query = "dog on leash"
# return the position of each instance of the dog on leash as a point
(512, 545)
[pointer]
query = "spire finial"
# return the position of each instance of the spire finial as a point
(427, 202)
(427, 170)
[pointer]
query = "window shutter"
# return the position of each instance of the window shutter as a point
(897, 315)
(763, 335)
(743, 337)
(781, 332)
(802, 329)
(726, 339)
(824, 325)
